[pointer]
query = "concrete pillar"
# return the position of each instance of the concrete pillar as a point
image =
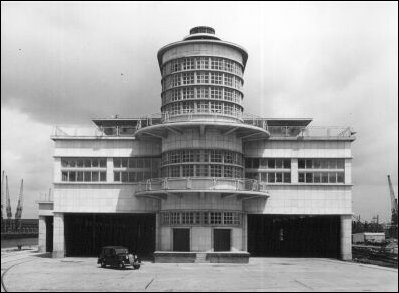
(42, 234)
(346, 237)
(59, 238)
(294, 170)
(157, 232)
(244, 232)
(110, 170)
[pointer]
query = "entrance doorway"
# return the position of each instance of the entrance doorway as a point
(221, 239)
(49, 233)
(181, 239)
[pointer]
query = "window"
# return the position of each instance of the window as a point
(202, 171)
(175, 94)
(215, 218)
(64, 176)
(174, 171)
(216, 107)
(202, 93)
(216, 93)
(117, 176)
(202, 77)
(301, 164)
(340, 177)
(176, 80)
(309, 177)
(228, 171)
(271, 177)
(228, 80)
(174, 218)
(165, 218)
(188, 170)
(217, 64)
(301, 177)
(188, 93)
(228, 218)
(188, 78)
(287, 177)
(216, 156)
(216, 171)
(187, 64)
(216, 78)
(203, 107)
(187, 218)
(175, 65)
(202, 63)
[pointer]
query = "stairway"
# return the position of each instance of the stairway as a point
(201, 258)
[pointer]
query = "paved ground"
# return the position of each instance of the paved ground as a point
(30, 272)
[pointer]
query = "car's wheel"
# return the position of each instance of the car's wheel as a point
(103, 264)
(136, 266)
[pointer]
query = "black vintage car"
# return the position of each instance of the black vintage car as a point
(118, 256)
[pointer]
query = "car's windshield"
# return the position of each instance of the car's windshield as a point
(120, 250)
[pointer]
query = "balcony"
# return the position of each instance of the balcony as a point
(160, 188)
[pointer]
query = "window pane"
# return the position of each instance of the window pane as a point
(94, 163)
(72, 176)
(340, 164)
(94, 176)
(87, 176)
(301, 164)
(132, 176)
(309, 164)
(309, 177)
(301, 177)
(271, 163)
(332, 177)
(103, 176)
(340, 177)
(117, 176)
(279, 177)
(324, 177)
(79, 163)
(271, 177)
(79, 176)
(255, 163)
(287, 163)
(279, 163)
(103, 163)
(317, 177)
(64, 176)
(87, 163)
(287, 177)
(117, 163)
(125, 177)
(124, 162)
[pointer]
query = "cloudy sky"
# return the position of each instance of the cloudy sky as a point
(64, 63)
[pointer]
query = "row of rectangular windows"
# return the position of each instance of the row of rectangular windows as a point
(125, 176)
(214, 156)
(303, 177)
(83, 176)
(202, 170)
(321, 163)
(192, 63)
(201, 78)
(83, 162)
(321, 177)
(201, 218)
(262, 163)
(216, 93)
(206, 107)
(270, 177)
(139, 163)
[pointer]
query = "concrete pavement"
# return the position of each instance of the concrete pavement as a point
(261, 274)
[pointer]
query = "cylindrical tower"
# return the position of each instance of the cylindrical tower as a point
(202, 78)
(202, 132)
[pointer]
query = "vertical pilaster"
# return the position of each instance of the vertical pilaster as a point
(42, 234)
(157, 232)
(58, 237)
(244, 232)
(110, 170)
(294, 170)
(346, 237)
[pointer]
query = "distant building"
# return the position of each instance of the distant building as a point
(368, 237)
(202, 177)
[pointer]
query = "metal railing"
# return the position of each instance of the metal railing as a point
(201, 183)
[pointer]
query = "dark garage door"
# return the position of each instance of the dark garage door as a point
(85, 234)
(294, 236)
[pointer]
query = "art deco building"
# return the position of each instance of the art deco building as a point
(203, 180)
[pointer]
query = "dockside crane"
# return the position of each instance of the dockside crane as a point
(2, 199)
(8, 207)
(394, 204)
(18, 213)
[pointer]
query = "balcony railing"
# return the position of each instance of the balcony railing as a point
(200, 183)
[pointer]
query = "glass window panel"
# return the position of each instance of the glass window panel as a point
(340, 164)
(94, 176)
(64, 176)
(287, 177)
(287, 164)
(87, 163)
(72, 162)
(103, 176)
(79, 163)
(117, 163)
(324, 177)
(271, 163)
(332, 177)
(94, 163)
(301, 177)
(316, 164)
(103, 163)
(72, 176)
(317, 177)
(255, 163)
(301, 163)
(125, 176)
(271, 177)
(341, 177)
(309, 164)
(332, 164)
(87, 176)
(124, 162)
(132, 176)
(309, 177)
(79, 176)
(324, 164)
(117, 176)
(279, 177)
(64, 163)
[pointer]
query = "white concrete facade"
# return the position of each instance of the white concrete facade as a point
(208, 150)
